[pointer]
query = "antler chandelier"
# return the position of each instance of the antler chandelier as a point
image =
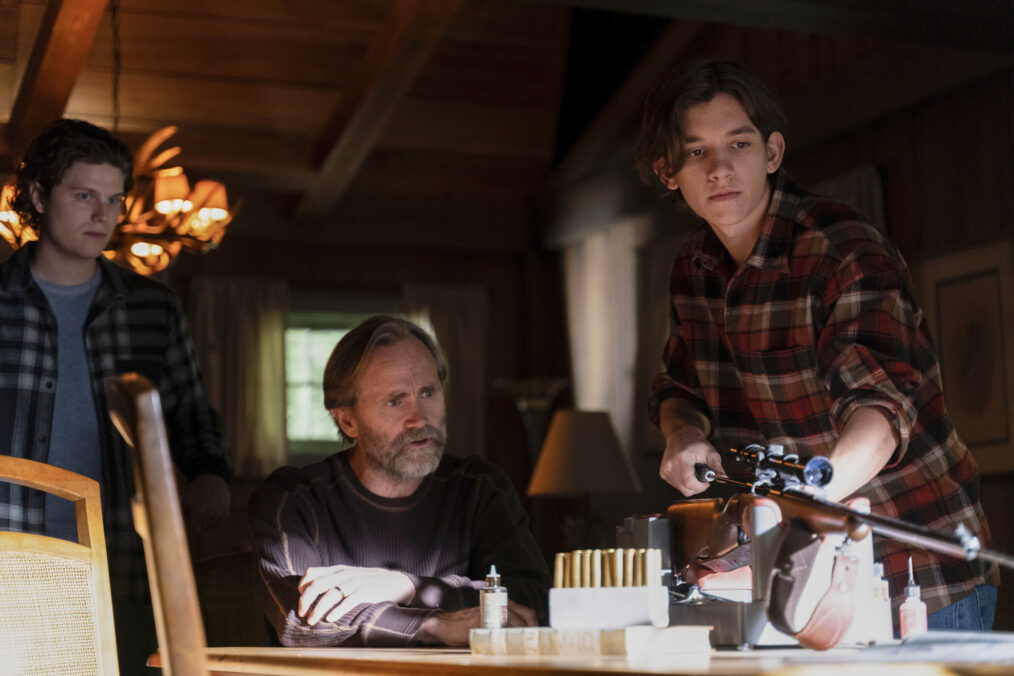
(163, 215)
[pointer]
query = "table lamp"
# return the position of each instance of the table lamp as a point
(582, 455)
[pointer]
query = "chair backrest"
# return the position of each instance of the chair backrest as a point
(136, 410)
(56, 612)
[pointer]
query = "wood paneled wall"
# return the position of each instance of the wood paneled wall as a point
(948, 167)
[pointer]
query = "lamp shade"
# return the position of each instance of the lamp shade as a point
(582, 455)
(171, 192)
(210, 196)
(210, 214)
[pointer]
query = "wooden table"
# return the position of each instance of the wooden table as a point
(453, 662)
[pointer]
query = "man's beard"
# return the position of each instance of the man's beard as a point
(395, 459)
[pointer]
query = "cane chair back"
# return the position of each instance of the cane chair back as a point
(56, 612)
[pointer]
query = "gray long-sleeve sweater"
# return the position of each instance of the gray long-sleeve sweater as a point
(462, 519)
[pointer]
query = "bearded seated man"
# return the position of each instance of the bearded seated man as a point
(387, 543)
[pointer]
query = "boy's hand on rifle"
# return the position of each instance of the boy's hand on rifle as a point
(685, 448)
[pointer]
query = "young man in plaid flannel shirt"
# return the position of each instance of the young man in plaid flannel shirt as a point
(794, 321)
(70, 320)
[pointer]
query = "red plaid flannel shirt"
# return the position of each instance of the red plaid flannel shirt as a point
(820, 320)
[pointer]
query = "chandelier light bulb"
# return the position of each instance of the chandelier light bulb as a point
(144, 249)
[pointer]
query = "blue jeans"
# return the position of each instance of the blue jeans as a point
(972, 613)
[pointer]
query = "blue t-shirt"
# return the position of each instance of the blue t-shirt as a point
(75, 435)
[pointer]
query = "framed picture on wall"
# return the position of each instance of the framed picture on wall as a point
(968, 298)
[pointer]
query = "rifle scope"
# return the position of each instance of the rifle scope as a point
(816, 472)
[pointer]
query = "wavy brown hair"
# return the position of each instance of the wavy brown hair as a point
(54, 151)
(662, 116)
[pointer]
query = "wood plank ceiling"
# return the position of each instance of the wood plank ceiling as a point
(424, 122)
(304, 104)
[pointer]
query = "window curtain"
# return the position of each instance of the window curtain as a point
(601, 278)
(239, 335)
(459, 318)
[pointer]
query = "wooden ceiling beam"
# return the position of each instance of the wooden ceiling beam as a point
(58, 55)
(390, 67)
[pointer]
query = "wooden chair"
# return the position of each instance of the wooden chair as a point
(56, 612)
(136, 410)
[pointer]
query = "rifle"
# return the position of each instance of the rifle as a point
(777, 525)
(797, 487)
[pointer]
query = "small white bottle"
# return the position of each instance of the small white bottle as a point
(883, 617)
(912, 613)
(493, 602)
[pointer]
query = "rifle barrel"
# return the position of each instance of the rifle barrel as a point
(949, 544)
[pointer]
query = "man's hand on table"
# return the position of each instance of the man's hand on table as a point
(328, 592)
(452, 627)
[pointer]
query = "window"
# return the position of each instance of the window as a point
(306, 353)
(315, 326)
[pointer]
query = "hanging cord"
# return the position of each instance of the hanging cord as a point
(114, 18)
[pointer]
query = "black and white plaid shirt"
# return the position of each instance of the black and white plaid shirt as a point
(134, 324)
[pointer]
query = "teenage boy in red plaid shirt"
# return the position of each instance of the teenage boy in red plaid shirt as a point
(794, 321)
